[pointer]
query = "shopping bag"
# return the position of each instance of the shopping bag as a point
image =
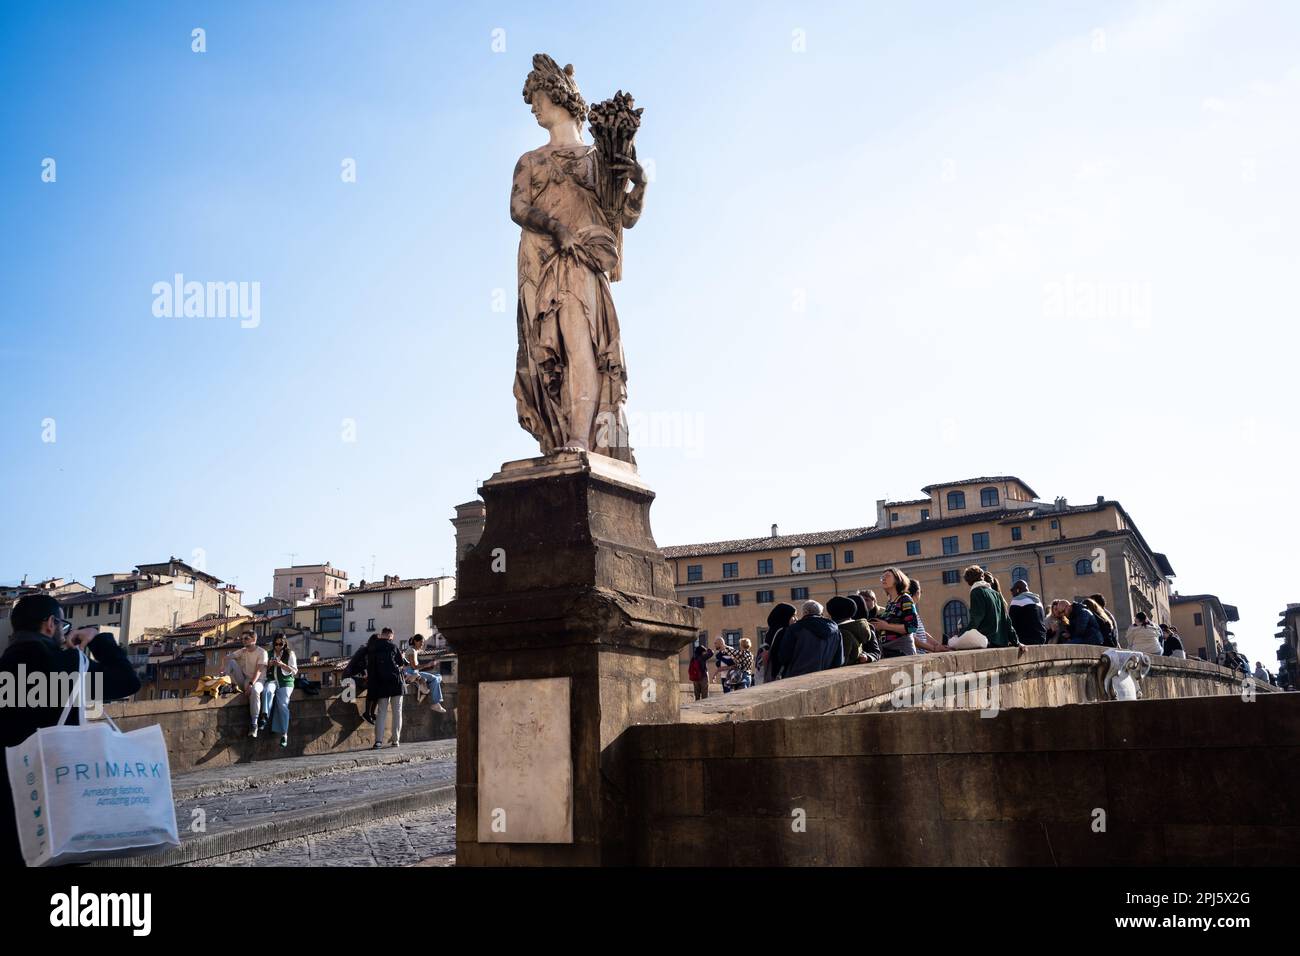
(88, 788)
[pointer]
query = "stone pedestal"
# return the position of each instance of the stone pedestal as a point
(565, 603)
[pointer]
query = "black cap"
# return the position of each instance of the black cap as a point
(32, 610)
(841, 608)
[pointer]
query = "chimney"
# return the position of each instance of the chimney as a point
(882, 513)
(1101, 499)
(775, 532)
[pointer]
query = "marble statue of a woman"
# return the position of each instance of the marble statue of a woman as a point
(570, 382)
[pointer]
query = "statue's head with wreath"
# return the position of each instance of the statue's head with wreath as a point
(558, 86)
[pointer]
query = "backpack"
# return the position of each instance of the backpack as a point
(693, 672)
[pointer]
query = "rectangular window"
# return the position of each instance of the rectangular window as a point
(352, 627)
(1055, 524)
(913, 548)
(1198, 620)
(824, 561)
(925, 514)
(731, 569)
(765, 597)
(979, 541)
(848, 557)
(694, 572)
(893, 516)
(950, 545)
(351, 605)
(1015, 533)
(765, 566)
(370, 624)
(798, 594)
(1049, 559)
(731, 600)
(731, 637)
(695, 602)
(951, 576)
(388, 599)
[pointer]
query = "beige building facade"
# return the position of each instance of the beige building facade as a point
(57, 588)
(405, 605)
(1202, 621)
(317, 582)
(151, 601)
(1061, 550)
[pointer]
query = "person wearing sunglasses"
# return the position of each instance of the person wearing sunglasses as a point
(45, 642)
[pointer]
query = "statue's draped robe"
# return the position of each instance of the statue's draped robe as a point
(561, 183)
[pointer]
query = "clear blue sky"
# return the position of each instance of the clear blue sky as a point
(847, 284)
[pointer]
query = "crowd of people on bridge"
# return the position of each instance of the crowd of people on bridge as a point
(858, 629)
(378, 668)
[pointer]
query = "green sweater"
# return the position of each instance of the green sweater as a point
(989, 616)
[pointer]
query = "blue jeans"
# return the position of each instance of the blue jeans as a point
(431, 680)
(275, 701)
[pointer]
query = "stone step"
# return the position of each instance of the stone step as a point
(241, 808)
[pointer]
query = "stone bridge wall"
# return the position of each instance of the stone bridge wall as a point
(1197, 780)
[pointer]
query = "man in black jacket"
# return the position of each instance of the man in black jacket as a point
(1026, 612)
(44, 643)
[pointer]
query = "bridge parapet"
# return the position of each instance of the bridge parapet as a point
(1046, 676)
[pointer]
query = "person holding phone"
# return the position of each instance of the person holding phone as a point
(281, 672)
(44, 642)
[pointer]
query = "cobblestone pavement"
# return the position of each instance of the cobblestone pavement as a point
(426, 838)
(301, 784)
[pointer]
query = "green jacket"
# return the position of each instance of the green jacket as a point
(859, 636)
(989, 616)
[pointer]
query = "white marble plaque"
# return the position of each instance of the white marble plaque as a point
(525, 765)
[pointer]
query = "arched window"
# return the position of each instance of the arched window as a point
(954, 618)
(988, 497)
(956, 501)
(1083, 566)
(1019, 573)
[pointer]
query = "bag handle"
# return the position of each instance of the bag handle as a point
(78, 691)
(79, 694)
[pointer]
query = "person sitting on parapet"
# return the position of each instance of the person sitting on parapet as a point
(1075, 624)
(247, 670)
(812, 643)
(855, 632)
(896, 625)
(1027, 614)
(1144, 636)
(865, 611)
(427, 681)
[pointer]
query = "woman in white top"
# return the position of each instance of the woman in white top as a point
(1144, 636)
(428, 681)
